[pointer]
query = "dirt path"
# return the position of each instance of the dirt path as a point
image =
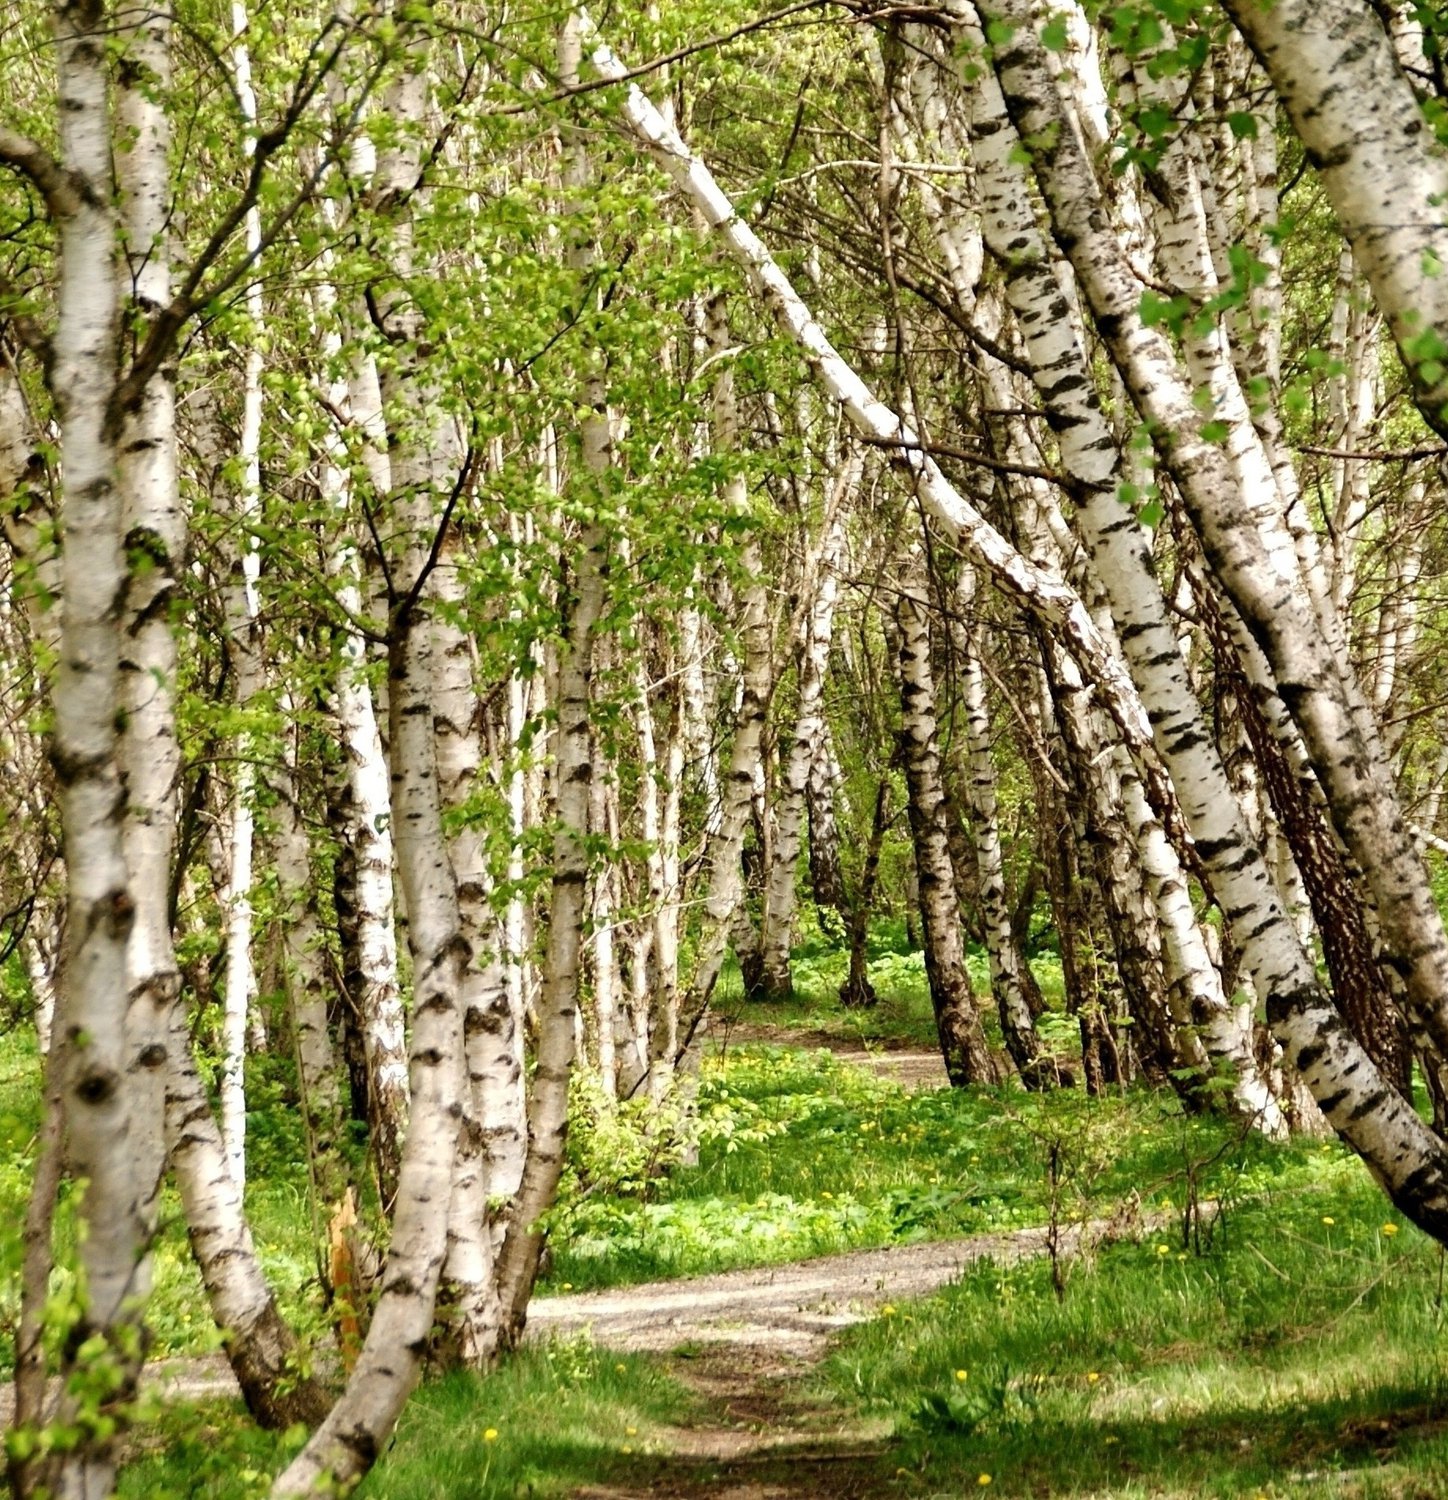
(746, 1342)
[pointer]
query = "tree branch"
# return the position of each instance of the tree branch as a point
(50, 179)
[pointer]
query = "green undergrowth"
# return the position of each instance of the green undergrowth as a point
(278, 1208)
(554, 1417)
(1294, 1348)
(801, 1153)
(902, 1017)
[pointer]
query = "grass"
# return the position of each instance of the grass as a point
(1299, 1354)
(803, 1154)
(559, 1416)
(1289, 1350)
(903, 1016)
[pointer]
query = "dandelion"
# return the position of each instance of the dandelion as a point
(961, 1375)
(619, 1369)
(630, 1432)
(1163, 1249)
(1092, 1376)
(1328, 1220)
(888, 1311)
(625, 1449)
(567, 1286)
(1110, 1438)
(1390, 1230)
(984, 1479)
(491, 1435)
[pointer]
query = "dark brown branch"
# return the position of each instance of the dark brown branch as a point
(35, 162)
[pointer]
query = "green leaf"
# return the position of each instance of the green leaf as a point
(1053, 35)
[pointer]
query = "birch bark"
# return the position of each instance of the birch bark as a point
(962, 1042)
(1384, 173)
(1399, 1150)
(348, 1441)
(548, 1104)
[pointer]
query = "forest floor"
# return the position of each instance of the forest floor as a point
(745, 1343)
(852, 1295)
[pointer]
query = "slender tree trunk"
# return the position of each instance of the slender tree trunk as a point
(348, 1442)
(962, 1042)
(812, 658)
(1036, 1067)
(548, 1104)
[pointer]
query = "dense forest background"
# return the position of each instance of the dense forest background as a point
(540, 546)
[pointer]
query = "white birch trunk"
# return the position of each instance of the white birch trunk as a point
(1399, 1150)
(812, 655)
(99, 1097)
(962, 1042)
(1385, 174)
(558, 1007)
(378, 1012)
(242, 606)
(348, 1442)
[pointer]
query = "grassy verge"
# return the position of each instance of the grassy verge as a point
(1299, 1354)
(552, 1419)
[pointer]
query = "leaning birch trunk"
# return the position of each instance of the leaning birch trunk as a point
(348, 1442)
(1384, 172)
(548, 1105)
(957, 1022)
(813, 657)
(1045, 598)
(1398, 1148)
(1326, 703)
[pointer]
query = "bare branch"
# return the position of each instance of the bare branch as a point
(35, 162)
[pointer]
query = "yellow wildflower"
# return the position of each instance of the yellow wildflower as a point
(1163, 1249)
(630, 1432)
(1390, 1229)
(491, 1435)
(1328, 1220)
(960, 1375)
(1092, 1376)
(984, 1479)
(619, 1369)
(887, 1311)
